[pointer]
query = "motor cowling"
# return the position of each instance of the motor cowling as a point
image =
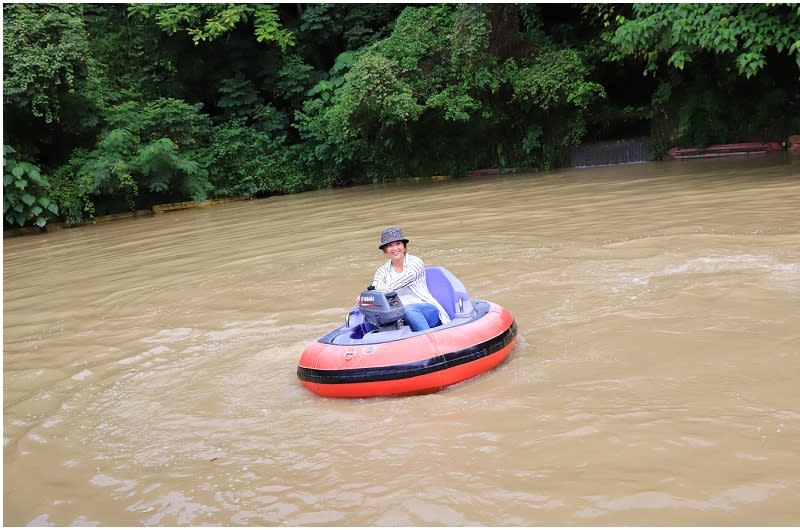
(381, 309)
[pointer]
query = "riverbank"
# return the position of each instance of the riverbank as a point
(157, 209)
(718, 152)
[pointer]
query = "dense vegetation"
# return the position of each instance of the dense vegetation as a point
(111, 107)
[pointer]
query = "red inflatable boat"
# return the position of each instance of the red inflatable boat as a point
(392, 360)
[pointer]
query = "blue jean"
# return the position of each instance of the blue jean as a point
(421, 316)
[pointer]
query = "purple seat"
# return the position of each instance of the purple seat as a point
(448, 290)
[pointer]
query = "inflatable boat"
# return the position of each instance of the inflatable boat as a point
(375, 353)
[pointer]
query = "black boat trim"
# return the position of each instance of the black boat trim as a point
(408, 370)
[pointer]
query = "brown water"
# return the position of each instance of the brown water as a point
(149, 364)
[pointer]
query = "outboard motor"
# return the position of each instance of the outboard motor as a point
(383, 310)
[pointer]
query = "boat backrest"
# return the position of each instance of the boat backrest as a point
(449, 291)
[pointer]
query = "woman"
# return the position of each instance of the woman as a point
(405, 274)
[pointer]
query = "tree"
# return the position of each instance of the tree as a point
(139, 61)
(251, 156)
(52, 86)
(433, 97)
(148, 152)
(206, 22)
(554, 93)
(741, 34)
(45, 53)
(324, 31)
(434, 62)
(711, 58)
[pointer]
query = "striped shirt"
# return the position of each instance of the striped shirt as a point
(413, 279)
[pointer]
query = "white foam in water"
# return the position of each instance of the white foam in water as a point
(783, 272)
(80, 376)
(731, 264)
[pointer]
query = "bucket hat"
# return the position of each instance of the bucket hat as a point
(390, 235)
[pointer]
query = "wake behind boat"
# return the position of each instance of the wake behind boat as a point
(375, 353)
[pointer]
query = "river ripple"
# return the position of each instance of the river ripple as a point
(149, 364)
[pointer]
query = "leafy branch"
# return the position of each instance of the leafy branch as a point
(24, 198)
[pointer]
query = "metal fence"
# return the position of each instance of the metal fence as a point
(610, 153)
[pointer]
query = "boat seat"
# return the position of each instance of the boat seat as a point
(449, 291)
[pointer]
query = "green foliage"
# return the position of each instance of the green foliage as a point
(690, 109)
(156, 149)
(386, 115)
(555, 97)
(53, 87)
(294, 79)
(139, 61)
(24, 193)
(442, 54)
(327, 88)
(254, 159)
(207, 22)
(700, 118)
(45, 57)
(121, 106)
(744, 33)
(335, 146)
(66, 190)
(237, 95)
(366, 120)
(711, 58)
(556, 78)
(344, 27)
(377, 91)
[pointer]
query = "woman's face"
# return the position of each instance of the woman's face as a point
(395, 249)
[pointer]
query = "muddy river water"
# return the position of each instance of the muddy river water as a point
(149, 364)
